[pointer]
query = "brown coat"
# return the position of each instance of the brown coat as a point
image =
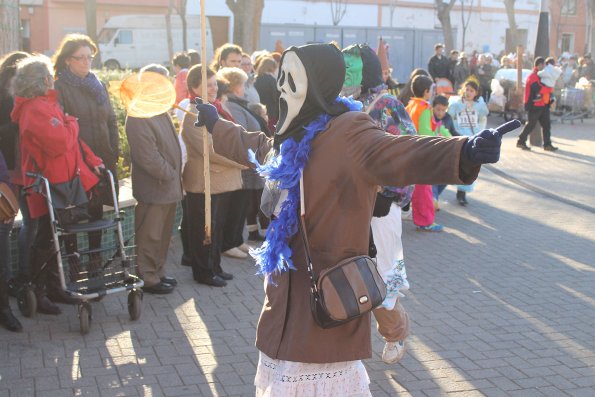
(226, 175)
(348, 161)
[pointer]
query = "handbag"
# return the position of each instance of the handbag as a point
(69, 199)
(344, 292)
(9, 205)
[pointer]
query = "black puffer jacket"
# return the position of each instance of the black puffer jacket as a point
(97, 123)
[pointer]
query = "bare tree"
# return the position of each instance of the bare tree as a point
(9, 26)
(392, 6)
(465, 21)
(246, 22)
(170, 40)
(514, 33)
(91, 20)
(338, 10)
(181, 9)
(443, 12)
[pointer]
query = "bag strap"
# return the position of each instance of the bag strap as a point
(469, 118)
(302, 228)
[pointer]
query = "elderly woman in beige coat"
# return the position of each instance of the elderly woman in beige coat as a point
(225, 178)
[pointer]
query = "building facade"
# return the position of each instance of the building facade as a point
(44, 22)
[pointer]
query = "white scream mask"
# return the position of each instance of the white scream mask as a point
(293, 86)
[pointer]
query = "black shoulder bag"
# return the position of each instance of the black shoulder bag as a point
(69, 199)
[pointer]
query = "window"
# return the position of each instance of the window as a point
(124, 37)
(568, 7)
(567, 42)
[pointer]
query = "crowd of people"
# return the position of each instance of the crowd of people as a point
(57, 119)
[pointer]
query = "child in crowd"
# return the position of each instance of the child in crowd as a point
(421, 114)
(444, 127)
(469, 112)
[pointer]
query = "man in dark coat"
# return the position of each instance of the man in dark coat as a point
(439, 65)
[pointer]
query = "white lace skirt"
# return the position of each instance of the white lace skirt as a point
(278, 378)
(387, 232)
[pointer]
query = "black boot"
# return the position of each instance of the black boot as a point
(461, 197)
(255, 236)
(7, 319)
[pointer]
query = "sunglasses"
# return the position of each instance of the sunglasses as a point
(84, 57)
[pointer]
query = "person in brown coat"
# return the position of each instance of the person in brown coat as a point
(157, 187)
(344, 157)
(226, 178)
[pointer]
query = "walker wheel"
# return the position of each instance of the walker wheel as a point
(27, 302)
(85, 316)
(135, 298)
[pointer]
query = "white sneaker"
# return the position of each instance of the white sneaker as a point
(244, 247)
(406, 215)
(236, 253)
(393, 352)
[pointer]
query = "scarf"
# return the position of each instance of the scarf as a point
(274, 256)
(90, 84)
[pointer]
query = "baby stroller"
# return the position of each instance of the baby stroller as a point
(86, 274)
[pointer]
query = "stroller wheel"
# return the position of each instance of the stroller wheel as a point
(27, 302)
(85, 317)
(135, 298)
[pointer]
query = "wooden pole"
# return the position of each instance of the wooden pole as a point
(205, 137)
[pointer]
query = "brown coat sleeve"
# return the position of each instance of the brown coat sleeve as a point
(385, 159)
(232, 141)
(192, 137)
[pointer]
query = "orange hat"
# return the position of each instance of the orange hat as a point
(382, 55)
(279, 46)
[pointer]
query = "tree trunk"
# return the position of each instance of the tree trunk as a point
(465, 21)
(91, 20)
(9, 26)
(246, 22)
(443, 13)
(182, 13)
(514, 34)
(170, 40)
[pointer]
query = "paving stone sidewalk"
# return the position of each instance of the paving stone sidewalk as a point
(502, 304)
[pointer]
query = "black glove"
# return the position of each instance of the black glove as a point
(207, 115)
(484, 147)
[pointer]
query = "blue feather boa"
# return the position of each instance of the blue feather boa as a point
(274, 256)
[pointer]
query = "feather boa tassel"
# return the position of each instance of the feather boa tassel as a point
(274, 256)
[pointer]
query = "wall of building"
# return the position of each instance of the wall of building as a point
(579, 25)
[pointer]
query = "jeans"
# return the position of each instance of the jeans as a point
(437, 190)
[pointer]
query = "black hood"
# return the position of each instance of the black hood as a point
(372, 70)
(325, 70)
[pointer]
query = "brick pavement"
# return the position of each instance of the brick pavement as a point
(502, 304)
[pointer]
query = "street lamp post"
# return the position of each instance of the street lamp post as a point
(542, 49)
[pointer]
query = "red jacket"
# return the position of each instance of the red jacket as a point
(536, 94)
(51, 139)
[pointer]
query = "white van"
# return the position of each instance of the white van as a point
(133, 41)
